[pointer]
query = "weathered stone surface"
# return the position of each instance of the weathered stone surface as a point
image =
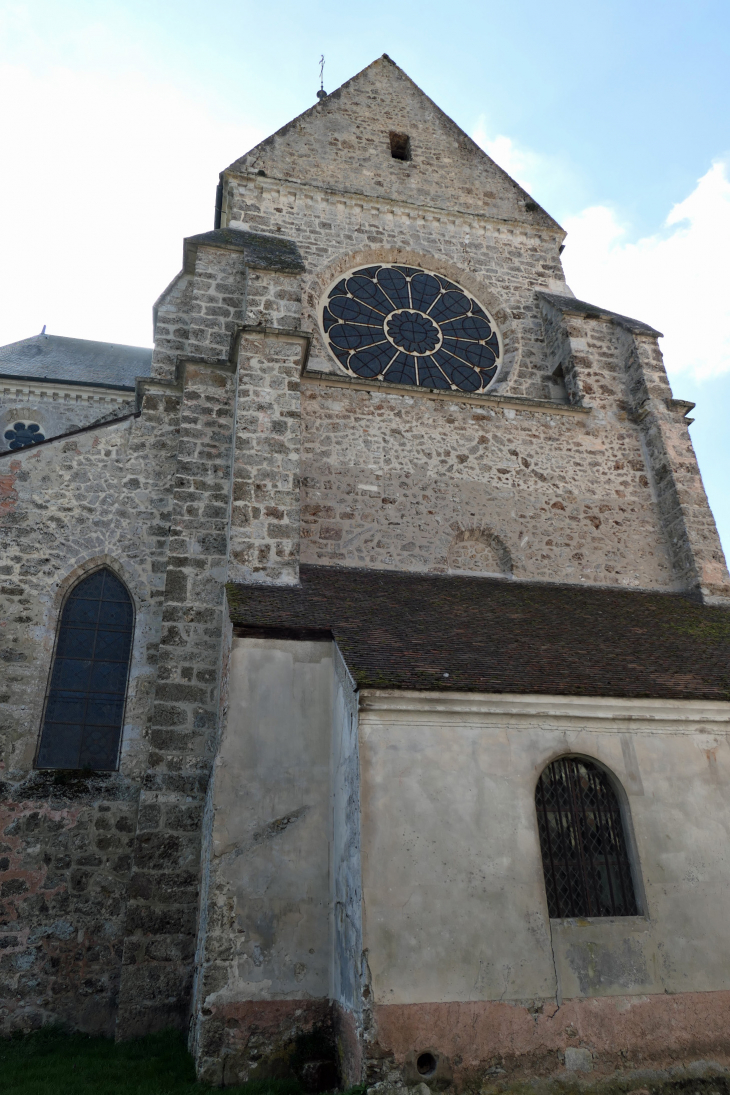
(99, 498)
(57, 408)
(253, 451)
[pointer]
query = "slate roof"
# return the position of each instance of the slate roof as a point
(75, 361)
(405, 631)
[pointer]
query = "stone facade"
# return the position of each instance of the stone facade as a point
(231, 866)
(101, 497)
(58, 408)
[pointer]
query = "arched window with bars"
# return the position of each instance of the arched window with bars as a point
(584, 848)
(84, 713)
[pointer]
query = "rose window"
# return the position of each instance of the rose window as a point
(22, 434)
(409, 326)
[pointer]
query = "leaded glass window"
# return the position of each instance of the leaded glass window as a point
(21, 434)
(583, 844)
(84, 713)
(409, 326)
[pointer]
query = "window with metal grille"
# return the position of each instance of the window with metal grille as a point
(84, 713)
(584, 851)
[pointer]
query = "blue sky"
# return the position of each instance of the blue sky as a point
(118, 116)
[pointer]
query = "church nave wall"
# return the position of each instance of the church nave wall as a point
(391, 480)
(100, 498)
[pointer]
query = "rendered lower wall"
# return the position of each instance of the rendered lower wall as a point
(351, 1013)
(266, 959)
(465, 962)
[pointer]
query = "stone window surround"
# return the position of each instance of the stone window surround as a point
(138, 665)
(24, 399)
(59, 625)
(433, 274)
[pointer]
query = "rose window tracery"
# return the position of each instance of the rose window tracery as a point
(22, 434)
(409, 326)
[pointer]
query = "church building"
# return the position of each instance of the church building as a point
(365, 646)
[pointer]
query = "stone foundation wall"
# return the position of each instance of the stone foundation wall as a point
(489, 1046)
(66, 843)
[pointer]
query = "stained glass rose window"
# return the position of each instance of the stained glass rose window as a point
(21, 434)
(410, 326)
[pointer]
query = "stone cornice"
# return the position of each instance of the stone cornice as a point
(361, 197)
(47, 384)
(603, 714)
(515, 402)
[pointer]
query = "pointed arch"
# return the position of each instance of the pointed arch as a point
(583, 842)
(84, 709)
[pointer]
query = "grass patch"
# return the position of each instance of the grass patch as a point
(51, 1061)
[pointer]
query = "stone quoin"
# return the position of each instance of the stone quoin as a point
(365, 646)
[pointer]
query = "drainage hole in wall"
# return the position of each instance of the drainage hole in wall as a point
(426, 1064)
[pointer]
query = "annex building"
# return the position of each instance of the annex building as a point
(365, 645)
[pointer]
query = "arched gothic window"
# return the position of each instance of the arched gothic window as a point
(84, 712)
(583, 844)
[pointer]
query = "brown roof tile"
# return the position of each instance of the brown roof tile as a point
(405, 631)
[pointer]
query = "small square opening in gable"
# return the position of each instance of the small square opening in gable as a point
(400, 146)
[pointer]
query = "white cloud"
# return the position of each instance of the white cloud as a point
(549, 179)
(677, 280)
(521, 164)
(104, 174)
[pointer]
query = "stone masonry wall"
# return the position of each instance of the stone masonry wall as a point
(394, 481)
(101, 875)
(89, 861)
(265, 511)
(604, 480)
(232, 471)
(66, 840)
(343, 143)
(329, 182)
(161, 921)
(617, 367)
(200, 312)
(600, 512)
(690, 527)
(501, 265)
(56, 409)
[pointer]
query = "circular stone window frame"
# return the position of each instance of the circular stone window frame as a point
(28, 418)
(499, 376)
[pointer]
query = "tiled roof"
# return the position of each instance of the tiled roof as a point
(75, 361)
(406, 631)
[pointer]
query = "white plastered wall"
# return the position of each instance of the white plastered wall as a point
(454, 905)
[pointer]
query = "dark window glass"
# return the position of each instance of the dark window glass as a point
(584, 854)
(408, 326)
(85, 706)
(21, 434)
